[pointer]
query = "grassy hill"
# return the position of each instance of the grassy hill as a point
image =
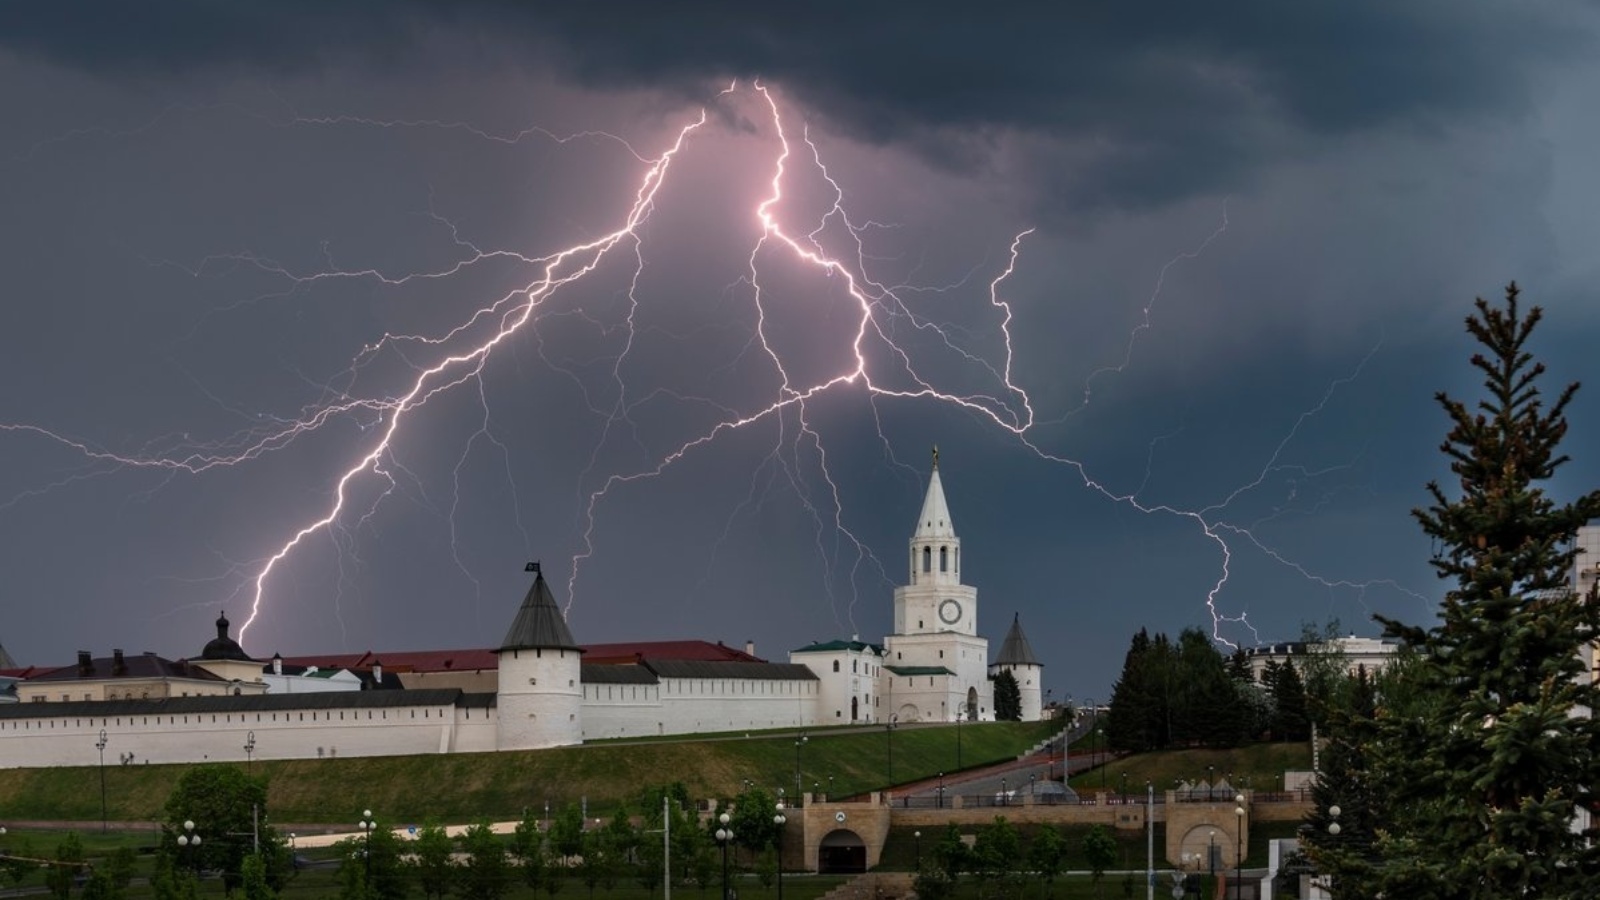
(1257, 766)
(465, 787)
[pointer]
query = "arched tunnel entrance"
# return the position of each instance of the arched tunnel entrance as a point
(841, 852)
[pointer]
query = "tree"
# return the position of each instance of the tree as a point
(951, 855)
(17, 865)
(751, 819)
(566, 832)
(484, 874)
(227, 808)
(253, 878)
(1487, 786)
(68, 863)
(432, 851)
(1206, 709)
(1290, 721)
(1007, 697)
(169, 881)
(1047, 855)
(995, 853)
(1100, 849)
(1134, 721)
(386, 860)
(1344, 781)
(596, 865)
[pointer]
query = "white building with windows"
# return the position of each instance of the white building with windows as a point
(539, 688)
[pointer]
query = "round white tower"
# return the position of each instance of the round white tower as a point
(1016, 656)
(540, 702)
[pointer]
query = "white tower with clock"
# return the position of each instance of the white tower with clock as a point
(935, 664)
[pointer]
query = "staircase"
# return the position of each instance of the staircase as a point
(875, 886)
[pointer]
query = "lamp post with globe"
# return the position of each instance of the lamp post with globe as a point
(1238, 843)
(190, 840)
(780, 820)
(724, 837)
(366, 825)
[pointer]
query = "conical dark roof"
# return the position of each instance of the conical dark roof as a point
(6, 662)
(1015, 651)
(223, 646)
(539, 623)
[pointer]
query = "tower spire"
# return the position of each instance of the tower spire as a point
(934, 523)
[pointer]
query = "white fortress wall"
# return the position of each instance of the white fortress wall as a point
(206, 729)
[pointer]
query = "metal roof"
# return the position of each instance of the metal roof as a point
(1016, 651)
(539, 624)
(919, 670)
(604, 673)
(223, 646)
(689, 668)
(143, 665)
(836, 646)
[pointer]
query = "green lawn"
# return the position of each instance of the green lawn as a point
(464, 787)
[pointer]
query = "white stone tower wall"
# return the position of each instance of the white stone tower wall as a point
(540, 698)
(1028, 685)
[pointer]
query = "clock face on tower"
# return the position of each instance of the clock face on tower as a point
(949, 612)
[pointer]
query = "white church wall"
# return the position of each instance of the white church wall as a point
(844, 675)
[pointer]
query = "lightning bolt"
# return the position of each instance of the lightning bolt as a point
(878, 363)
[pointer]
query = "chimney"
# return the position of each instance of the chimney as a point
(85, 664)
(749, 648)
(118, 665)
(277, 663)
(377, 673)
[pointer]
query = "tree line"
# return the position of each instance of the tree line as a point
(1186, 693)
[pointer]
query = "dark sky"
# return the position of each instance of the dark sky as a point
(251, 249)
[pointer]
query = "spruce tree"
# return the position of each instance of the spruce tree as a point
(1491, 788)
(1133, 721)
(1007, 697)
(1290, 720)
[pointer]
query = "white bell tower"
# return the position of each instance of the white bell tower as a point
(936, 662)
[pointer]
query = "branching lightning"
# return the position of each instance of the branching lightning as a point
(878, 365)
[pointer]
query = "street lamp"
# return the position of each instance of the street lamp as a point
(1004, 800)
(1066, 745)
(249, 752)
(917, 835)
(101, 746)
(941, 791)
(191, 840)
(1238, 842)
(799, 742)
(366, 825)
(962, 714)
(1211, 856)
(724, 837)
(888, 736)
(779, 820)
